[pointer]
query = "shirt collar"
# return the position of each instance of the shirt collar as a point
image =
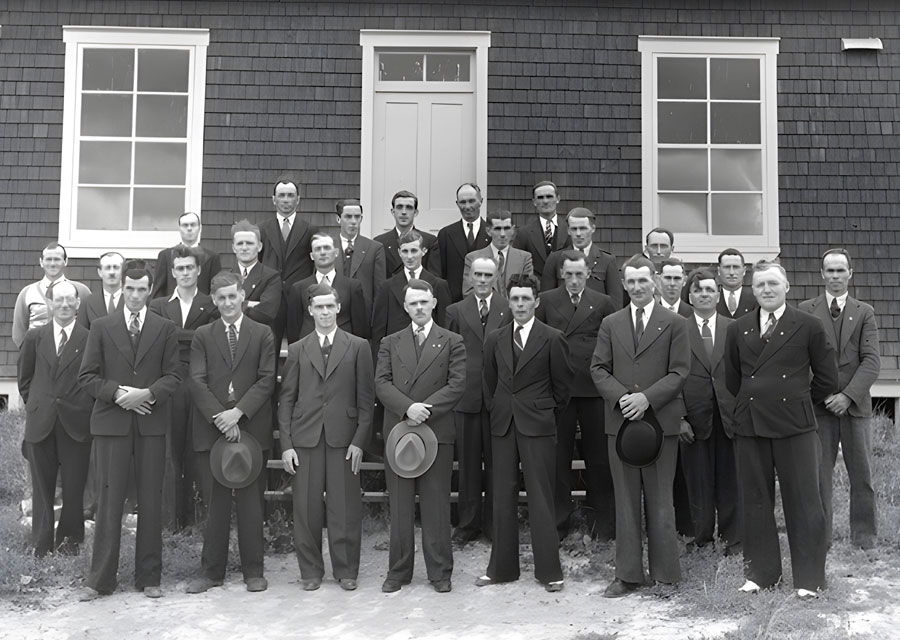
(58, 327)
(476, 225)
(497, 252)
(249, 268)
(487, 299)
(290, 218)
(418, 272)
(330, 275)
(648, 310)
(142, 315)
(672, 307)
(191, 246)
(237, 323)
(428, 326)
(711, 323)
(587, 250)
(330, 336)
(553, 219)
(842, 299)
(345, 240)
(46, 282)
(764, 315)
(526, 327)
(175, 295)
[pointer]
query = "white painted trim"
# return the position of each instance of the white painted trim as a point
(140, 244)
(702, 248)
(861, 44)
(373, 39)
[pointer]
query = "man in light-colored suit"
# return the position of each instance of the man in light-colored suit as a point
(845, 417)
(359, 257)
(510, 260)
(324, 418)
(641, 363)
(420, 376)
(232, 381)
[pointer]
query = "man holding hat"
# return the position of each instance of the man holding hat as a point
(232, 381)
(324, 419)
(640, 364)
(420, 376)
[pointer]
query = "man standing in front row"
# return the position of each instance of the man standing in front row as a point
(232, 382)
(527, 382)
(640, 363)
(845, 417)
(419, 378)
(324, 418)
(131, 368)
(778, 365)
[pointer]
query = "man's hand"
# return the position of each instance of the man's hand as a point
(227, 419)
(418, 413)
(290, 461)
(354, 455)
(686, 434)
(233, 434)
(137, 400)
(634, 405)
(838, 403)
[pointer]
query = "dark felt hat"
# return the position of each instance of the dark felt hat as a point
(639, 442)
(410, 450)
(236, 464)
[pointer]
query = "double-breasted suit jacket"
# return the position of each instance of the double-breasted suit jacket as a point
(351, 318)
(290, 259)
(530, 238)
(164, 283)
(603, 273)
(394, 264)
(262, 285)
(517, 261)
(366, 265)
(94, 306)
(251, 374)
(746, 303)
(453, 246)
(705, 387)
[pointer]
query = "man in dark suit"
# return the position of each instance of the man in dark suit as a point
(405, 208)
(641, 362)
(603, 272)
(707, 452)
(261, 284)
(462, 237)
(527, 382)
(189, 228)
(232, 382)
(352, 308)
(542, 235)
(57, 421)
(778, 365)
(420, 376)
(286, 245)
(658, 246)
(576, 310)
(189, 309)
(109, 298)
(324, 419)
(845, 418)
(131, 368)
(390, 315)
(359, 257)
(474, 317)
(736, 299)
(510, 260)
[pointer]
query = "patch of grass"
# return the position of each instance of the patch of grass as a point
(14, 476)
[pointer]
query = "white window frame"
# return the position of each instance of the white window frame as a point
(705, 248)
(374, 41)
(133, 244)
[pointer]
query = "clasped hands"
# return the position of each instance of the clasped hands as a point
(133, 399)
(227, 422)
(838, 403)
(633, 405)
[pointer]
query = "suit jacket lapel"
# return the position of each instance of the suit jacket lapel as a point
(434, 344)
(252, 279)
(698, 348)
(851, 319)
(297, 230)
(580, 314)
(359, 254)
(785, 328)
(718, 344)
(624, 331)
(119, 333)
(406, 350)
(47, 348)
(458, 237)
(473, 316)
(536, 340)
(242, 343)
(653, 328)
(314, 352)
(149, 333)
(221, 340)
(496, 314)
(338, 349)
(397, 287)
(173, 312)
(70, 352)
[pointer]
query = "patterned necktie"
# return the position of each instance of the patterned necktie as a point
(326, 349)
(285, 228)
(470, 237)
(835, 309)
(245, 273)
(706, 334)
(420, 336)
(770, 327)
(638, 326)
(348, 257)
(575, 300)
(732, 303)
(111, 307)
(502, 268)
(483, 311)
(548, 234)
(134, 330)
(517, 338)
(232, 340)
(62, 343)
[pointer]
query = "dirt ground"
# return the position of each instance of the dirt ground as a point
(518, 610)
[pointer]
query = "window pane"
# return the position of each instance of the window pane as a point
(105, 115)
(108, 70)
(733, 79)
(736, 170)
(446, 67)
(105, 163)
(681, 78)
(400, 66)
(163, 70)
(162, 116)
(737, 214)
(159, 163)
(683, 122)
(683, 212)
(735, 123)
(154, 209)
(103, 208)
(682, 170)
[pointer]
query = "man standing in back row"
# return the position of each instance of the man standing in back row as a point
(542, 235)
(164, 282)
(462, 237)
(405, 209)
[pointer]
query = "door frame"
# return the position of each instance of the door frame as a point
(371, 41)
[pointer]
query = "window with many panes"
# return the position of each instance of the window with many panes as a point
(709, 143)
(132, 136)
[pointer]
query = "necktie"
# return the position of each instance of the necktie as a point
(420, 336)
(575, 299)
(502, 261)
(111, 307)
(548, 234)
(348, 257)
(326, 349)
(134, 330)
(483, 310)
(732, 303)
(770, 327)
(835, 309)
(517, 338)
(285, 228)
(245, 273)
(62, 343)
(325, 280)
(232, 340)
(412, 274)
(470, 237)
(638, 325)
(706, 334)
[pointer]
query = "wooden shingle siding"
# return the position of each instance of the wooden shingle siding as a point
(284, 92)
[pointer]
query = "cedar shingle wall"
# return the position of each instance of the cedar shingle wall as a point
(283, 92)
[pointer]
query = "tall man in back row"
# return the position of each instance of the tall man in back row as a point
(405, 210)
(542, 234)
(778, 365)
(164, 282)
(462, 237)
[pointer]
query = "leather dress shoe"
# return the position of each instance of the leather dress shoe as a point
(311, 584)
(86, 594)
(618, 588)
(202, 585)
(442, 586)
(257, 584)
(553, 587)
(390, 585)
(483, 581)
(347, 584)
(153, 591)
